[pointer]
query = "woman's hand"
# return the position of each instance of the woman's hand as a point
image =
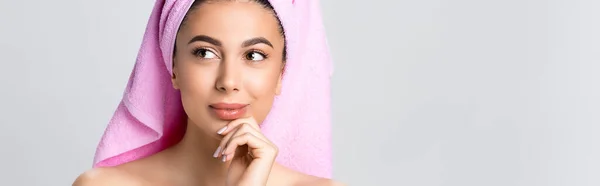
(251, 154)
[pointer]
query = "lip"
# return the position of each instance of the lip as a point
(228, 111)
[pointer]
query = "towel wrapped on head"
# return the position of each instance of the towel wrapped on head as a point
(150, 116)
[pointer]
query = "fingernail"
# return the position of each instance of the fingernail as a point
(224, 158)
(220, 131)
(216, 154)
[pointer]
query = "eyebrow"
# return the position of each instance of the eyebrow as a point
(207, 39)
(255, 41)
(247, 43)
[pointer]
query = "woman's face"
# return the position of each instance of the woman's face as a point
(228, 53)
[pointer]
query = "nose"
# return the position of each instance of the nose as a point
(229, 77)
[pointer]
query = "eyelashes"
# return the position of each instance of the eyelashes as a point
(253, 55)
(204, 53)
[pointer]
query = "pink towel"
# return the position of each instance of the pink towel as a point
(148, 118)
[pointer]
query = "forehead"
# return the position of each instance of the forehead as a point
(231, 20)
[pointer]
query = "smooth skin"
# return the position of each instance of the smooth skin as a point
(226, 52)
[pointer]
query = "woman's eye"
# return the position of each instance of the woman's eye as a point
(255, 56)
(204, 53)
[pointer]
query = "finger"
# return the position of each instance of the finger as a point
(259, 148)
(261, 162)
(235, 123)
(241, 129)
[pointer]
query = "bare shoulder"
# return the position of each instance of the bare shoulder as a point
(286, 176)
(317, 181)
(106, 176)
(326, 182)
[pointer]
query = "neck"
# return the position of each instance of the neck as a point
(193, 155)
(193, 159)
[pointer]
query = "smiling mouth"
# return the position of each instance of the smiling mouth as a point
(227, 111)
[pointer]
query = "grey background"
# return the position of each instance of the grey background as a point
(427, 92)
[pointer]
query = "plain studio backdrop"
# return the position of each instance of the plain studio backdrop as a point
(425, 93)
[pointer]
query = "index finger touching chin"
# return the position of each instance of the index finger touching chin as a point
(235, 123)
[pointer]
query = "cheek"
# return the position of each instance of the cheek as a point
(262, 88)
(261, 83)
(195, 85)
(197, 81)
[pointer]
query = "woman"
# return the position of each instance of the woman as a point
(225, 65)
